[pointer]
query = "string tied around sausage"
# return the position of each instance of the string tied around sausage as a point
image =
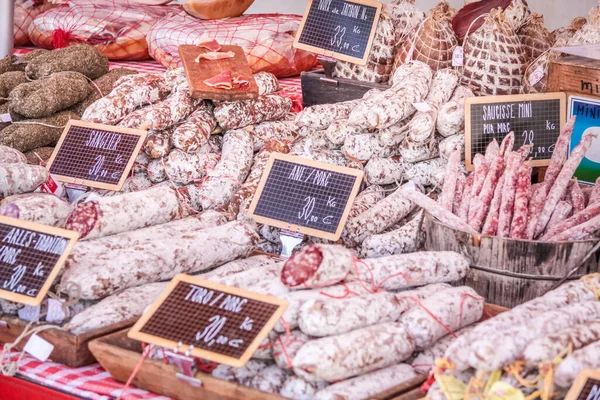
(432, 315)
(589, 283)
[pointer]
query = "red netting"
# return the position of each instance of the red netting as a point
(25, 12)
(117, 28)
(267, 40)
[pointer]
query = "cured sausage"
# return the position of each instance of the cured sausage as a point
(507, 145)
(420, 173)
(450, 181)
(239, 114)
(577, 219)
(561, 213)
(300, 389)
(265, 132)
(41, 208)
(577, 362)
(286, 347)
(156, 171)
(453, 309)
(110, 215)
(406, 239)
(269, 380)
(354, 353)
(547, 348)
(194, 133)
(17, 178)
(451, 144)
(158, 143)
(242, 375)
(451, 117)
(8, 155)
(267, 83)
(490, 227)
(507, 206)
(339, 131)
(184, 168)
(317, 265)
(577, 196)
(101, 270)
(413, 152)
(481, 204)
(425, 361)
(322, 115)
(579, 232)
(519, 223)
(384, 171)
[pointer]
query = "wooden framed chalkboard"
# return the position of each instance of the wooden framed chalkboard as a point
(534, 118)
(305, 196)
(31, 256)
(342, 29)
(95, 155)
(209, 320)
(586, 386)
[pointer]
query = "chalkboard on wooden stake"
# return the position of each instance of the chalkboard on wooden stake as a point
(31, 255)
(535, 119)
(586, 386)
(342, 29)
(212, 321)
(305, 196)
(95, 155)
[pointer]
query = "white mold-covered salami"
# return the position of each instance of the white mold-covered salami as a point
(237, 266)
(499, 350)
(322, 115)
(362, 147)
(241, 375)
(451, 144)
(110, 215)
(365, 386)
(420, 173)
(339, 131)
(421, 128)
(42, 208)
(406, 239)
(401, 271)
(414, 152)
(266, 82)
(378, 218)
(547, 348)
(395, 133)
(453, 308)
(239, 114)
(194, 133)
(184, 168)
(384, 171)
(286, 347)
(451, 117)
(317, 265)
(101, 271)
(135, 183)
(425, 361)
(228, 175)
(297, 388)
(158, 143)
(366, 199)
(269, 380)
(157, 172)
(355, 353)
(8, 155)
(264, 271)
(282, 131)
(577, 362)
(265, 350)
(18, 178)
(125, 306)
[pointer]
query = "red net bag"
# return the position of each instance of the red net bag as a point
(267, 40)
(117, 28)
(25, 13)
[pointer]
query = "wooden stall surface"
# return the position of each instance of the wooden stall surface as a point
(69, 349)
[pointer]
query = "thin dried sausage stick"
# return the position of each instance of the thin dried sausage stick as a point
(491, 151)
(519, 223)
(507, 145)
(463, 209)
(579, 232)
(576, 220)
(561, 212)
(482, 202)
(490, 227)
(507, 205)
(577, 196)
(479, 175)
(450, 182)
(460, 187)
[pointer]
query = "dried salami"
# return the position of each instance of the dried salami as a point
(406, 239)
(41, 208)
(518, 228)
(17, 178)
(267, 83)
(547, 348)
(8, 155)
(239, 114)
(195, 132)
(184, 168)
(317, 265)
(322, 115)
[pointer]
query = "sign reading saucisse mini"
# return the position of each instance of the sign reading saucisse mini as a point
(586, 386)
(95, 155)
(305, 196)
(212, 321)
(342, 29)
(30, 257)
(535, 119)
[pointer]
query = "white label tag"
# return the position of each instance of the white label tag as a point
(536, 75)
(458, 57)
(55, 311)
(38, 348)
(422, 106)
(6, 118)
(29, 313)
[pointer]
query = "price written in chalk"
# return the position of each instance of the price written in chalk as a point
(343, 29)
(95, 155)
(305, 196)
(209, 320)
(30, 257)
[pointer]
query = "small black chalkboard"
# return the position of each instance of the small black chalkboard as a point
(31, 256)
(342, 29)
(586, 386)
(305, 196)
(95, 155)
(220, 323)
(535, 119)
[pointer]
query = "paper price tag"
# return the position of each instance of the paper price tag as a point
(38, 348)
(52, 186)
(422, 106)
(536, 76)
(29, 313)
(55, 311)
(458, 57)
(6, 118)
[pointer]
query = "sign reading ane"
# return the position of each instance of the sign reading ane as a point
(305, 196)
(343, 29)
(212, 321)
(95, 155)
(30, 257)
(535, 119)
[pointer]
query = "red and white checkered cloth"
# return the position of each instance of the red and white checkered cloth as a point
(91, 382)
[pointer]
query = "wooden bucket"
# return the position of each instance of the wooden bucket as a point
(509, 272)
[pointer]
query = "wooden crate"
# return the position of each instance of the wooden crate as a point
(317, 89)
(575, 74)
(119, 355)
(69, 349)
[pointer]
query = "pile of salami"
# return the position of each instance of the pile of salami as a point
(543, 345)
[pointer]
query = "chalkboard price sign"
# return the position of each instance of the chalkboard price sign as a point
(95, 155)
(305, 196)
(535, 119)
(342, 29)
(211, 321)
(586, 386)
(31, 256)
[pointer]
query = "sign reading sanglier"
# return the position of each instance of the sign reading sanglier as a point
(31, 256)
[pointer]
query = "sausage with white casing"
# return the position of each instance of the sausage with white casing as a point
(18, 178)
(547, 348)
(355, 353)
(322, 115)
(420, 173)
(406, 239)
(384, 171)
(8, 155)
(239, 114)
(451, 144)
(265, 132)
(451, 117)
(300, 389)
(41, 208)
(184, 168)
(317, 265)
(194, 133)
(285, 347)
(425, 361)
(572, 366)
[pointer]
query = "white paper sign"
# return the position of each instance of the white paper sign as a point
(458, 57)
(536, 75)
(38, 348)
(29, 313)
(55, 311)
(5, 118)
(423, 107)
